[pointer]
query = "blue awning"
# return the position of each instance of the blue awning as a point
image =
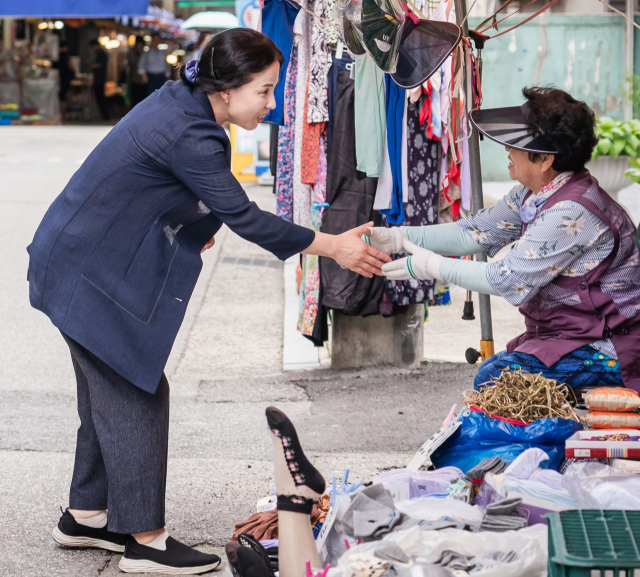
(72, 8)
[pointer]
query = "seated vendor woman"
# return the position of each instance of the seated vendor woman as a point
(573, 270)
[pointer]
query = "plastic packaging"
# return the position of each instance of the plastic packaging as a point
(528, 466)
(597, 486)
(481, 437)
(612, 420)
(614, 399)
(421, 483)
(529, 543)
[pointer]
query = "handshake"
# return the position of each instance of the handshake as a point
(421, 264)
(371, 257)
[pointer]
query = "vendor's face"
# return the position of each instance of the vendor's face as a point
(249, 104)
(520, 167)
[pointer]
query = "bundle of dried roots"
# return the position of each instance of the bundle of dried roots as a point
(522, 396)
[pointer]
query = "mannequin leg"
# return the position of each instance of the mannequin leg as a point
(296, 544)
(298, 486)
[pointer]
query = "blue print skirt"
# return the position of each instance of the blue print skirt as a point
(584, 366)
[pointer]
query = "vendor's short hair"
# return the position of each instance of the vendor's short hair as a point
(567, 122)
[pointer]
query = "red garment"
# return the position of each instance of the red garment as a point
(426, 113)
(310, 145)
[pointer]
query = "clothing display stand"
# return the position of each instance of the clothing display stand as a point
(477, 200)
(365, 341)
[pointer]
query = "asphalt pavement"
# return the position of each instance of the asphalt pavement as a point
(225, 369)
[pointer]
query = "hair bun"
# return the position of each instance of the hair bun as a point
(191, 71)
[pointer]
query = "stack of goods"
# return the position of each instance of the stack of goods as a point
(613, 408)
(8, 113)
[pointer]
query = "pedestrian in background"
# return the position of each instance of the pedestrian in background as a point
(137, 82)
(66, 76)
(99, 69)
(153, 66)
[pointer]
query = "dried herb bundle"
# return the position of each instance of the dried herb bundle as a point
(522, 396)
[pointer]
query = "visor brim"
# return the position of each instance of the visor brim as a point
(424, 50)
(509, 126)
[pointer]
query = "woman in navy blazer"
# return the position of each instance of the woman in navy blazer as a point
(114, 262)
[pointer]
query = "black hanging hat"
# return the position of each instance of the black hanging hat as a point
(423, 49)
(511, 127)
(410, 51)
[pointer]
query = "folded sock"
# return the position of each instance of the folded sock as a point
(97, 521)
(389, 551)
(503, 507)
(160, 542)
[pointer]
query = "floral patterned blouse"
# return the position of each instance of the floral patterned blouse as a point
(565, 240)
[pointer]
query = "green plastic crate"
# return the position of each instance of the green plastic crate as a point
(590, 543)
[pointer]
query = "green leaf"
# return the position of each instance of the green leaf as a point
(617, 147)
(634, 162)
(633, 174)
(629, 150)
(603, 146)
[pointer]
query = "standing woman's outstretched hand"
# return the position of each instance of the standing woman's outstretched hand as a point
(350, 251)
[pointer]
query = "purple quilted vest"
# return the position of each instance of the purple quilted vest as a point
(609, 294)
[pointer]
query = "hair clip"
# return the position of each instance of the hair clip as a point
(213, 72)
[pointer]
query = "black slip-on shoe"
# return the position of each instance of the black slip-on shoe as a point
(70, 533)
(176, 559)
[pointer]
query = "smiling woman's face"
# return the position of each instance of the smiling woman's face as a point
(249, 104)
(532, 174)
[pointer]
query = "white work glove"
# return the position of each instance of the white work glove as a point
(423, 264)
(388, 240)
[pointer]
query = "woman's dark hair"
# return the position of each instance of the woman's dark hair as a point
(566, 122)
(230, 58)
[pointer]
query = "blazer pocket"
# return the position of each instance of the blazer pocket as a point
(139, 291)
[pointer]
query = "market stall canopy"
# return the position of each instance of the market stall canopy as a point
(211, 21)
(72, 8)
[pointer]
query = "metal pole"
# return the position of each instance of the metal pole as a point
(477, 200)
(628, 59)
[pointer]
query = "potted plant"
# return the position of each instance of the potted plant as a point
(618, 143)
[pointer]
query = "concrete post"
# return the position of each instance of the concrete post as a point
(367, 341)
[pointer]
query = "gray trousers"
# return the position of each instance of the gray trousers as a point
(121, 450)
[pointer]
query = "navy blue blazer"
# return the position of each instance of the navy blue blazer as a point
(117, 255)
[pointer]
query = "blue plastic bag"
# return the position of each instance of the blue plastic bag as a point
(480, 437)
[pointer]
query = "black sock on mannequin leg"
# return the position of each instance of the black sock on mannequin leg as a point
(298, 483)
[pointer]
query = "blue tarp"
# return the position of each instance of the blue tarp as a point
(72, 8)
(481, 437)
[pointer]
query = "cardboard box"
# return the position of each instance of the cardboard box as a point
(576, 448)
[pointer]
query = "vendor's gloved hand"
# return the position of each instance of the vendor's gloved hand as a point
(423, 264)
(388, 240)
